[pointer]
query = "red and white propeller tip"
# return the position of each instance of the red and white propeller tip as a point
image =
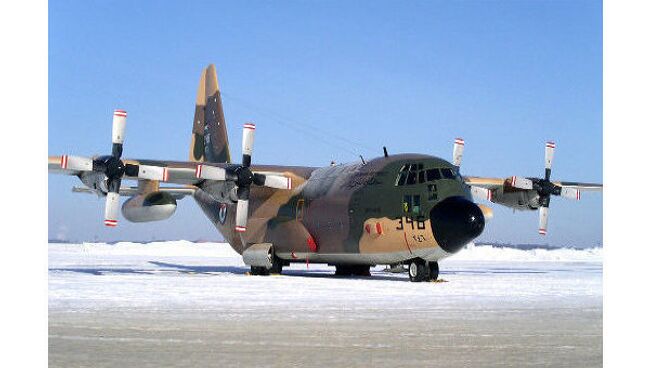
(241, 217)
(248, 138)
(153, 172)
(119, 126)
(76, 163)
(111, 211)
(277, 182)
(209, 172)
(543, 220)
(548, 154)
(570, 193)
(459, 146)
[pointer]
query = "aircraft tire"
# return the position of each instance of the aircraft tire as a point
(418, 271)
(259, 271)
(276, 267)
(434, 270)
(361, 271)
(342, 270)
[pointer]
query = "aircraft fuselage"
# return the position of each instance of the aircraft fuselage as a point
(388, 210)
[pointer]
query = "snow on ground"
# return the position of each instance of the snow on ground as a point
(182, 275)
(188, 304)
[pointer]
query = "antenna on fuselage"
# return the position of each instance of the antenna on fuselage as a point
(385, 152)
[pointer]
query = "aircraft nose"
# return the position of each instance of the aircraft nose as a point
(455, 222)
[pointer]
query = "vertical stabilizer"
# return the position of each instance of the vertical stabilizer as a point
(209, 134)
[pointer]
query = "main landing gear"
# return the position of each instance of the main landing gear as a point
(419, 271)
(276, 267)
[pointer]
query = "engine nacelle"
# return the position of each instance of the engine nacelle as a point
(523, 200)
(154, 206)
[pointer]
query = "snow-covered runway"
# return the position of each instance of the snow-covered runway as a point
(182, 303)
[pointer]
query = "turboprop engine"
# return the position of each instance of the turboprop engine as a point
(154, 206)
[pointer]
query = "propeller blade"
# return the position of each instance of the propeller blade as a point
(119, 128)
(481, 193)
(152, 172)
(76, 163)
(248, 139)
(571, 193)
(543, 220)
(241, 218)
(112, 209)
(459, 145)
(242, 215)
(275, 181)
(548, 158)
(521, 182)
(210, 172)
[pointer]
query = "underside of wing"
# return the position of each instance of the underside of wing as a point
(580, 186)
(175, 192)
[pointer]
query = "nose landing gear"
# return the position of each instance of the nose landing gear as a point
(419, 270)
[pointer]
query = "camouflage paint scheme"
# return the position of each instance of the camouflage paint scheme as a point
(343, 214)
(340, 207)
(334, 206)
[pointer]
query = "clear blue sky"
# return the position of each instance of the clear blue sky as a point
(506, 76)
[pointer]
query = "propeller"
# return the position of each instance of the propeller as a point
(113, 168)
(459, 146)
(243, 177)
(545, 188)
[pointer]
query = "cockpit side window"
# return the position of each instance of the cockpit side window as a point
(433, 174)
(410, 174)
(448, 173)
(412, 178)
(401, 178)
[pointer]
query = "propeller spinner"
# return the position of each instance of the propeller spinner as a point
(545, 188)
(113, 168)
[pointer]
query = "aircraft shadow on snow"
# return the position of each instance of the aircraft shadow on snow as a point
(211, 270)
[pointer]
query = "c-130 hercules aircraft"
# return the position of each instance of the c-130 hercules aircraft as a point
(405, 209)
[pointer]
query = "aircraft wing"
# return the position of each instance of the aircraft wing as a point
(487, 183)
(176, 192)
(594, 187)
(496, 183)
(175, 172)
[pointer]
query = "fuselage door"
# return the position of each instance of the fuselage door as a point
(413, 222)
(300, 209)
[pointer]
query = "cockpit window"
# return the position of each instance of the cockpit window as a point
(433, 174)
(421, 177)
(411, 178)
(401, 179)
(410, 174)
(448, 173)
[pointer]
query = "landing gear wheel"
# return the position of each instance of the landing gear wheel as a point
(434, 270)
(276, 265)
(259, 271)
(343, 271)
(418, 271)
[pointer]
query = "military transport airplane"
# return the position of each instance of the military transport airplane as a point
(404, 209)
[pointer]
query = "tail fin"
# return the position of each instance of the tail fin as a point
(209, 134)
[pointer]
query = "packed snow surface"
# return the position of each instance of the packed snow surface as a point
(193, 304)
(211, 276)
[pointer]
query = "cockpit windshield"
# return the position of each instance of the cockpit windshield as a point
(411, 174)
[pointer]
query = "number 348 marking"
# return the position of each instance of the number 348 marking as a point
(418, 222)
